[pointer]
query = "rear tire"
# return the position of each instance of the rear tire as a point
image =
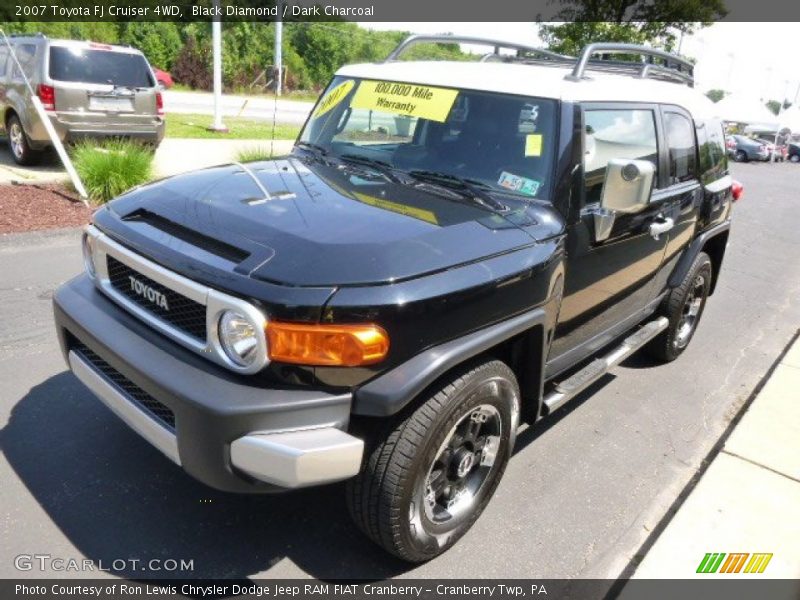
(683, 306)
(429, 476)
(19, 145)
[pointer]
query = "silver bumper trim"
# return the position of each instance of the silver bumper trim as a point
(295, 459)
(125, 409)
(216, 303)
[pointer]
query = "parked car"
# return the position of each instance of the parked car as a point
(386, 307)
(780, 150)
(745, 149)
(87, 90)
(793, 152)
(163, 78)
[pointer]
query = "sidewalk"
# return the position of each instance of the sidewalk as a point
(748, 500)
(177, 155)
(174, 155)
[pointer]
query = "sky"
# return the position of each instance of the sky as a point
(750, 59)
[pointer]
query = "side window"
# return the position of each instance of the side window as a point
(615, 133)
(711, 146)
(681, 146)
(25, 55)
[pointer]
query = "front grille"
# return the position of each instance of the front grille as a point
(182, 313)
(161, 413)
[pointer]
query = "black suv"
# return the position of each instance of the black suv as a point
(450, 249)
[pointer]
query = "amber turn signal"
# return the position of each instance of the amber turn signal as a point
(326, 345)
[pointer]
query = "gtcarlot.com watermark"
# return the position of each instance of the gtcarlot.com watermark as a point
(50, 563)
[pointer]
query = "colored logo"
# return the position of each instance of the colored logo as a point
(741, 562)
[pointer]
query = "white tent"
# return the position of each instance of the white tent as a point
(790, 118)
(742, 109)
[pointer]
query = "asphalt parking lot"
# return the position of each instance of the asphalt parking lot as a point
(581, 496)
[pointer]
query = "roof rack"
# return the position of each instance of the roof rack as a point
(672, 68)
(445, 38)
(38, 34)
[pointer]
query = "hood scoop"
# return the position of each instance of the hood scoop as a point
(183, 233)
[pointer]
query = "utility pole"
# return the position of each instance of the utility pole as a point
(279, 51)
(216, 47)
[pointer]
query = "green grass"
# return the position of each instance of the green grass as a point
(245, 155)
(112, 167)
(239, 128)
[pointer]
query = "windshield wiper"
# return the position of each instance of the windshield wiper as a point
(478, 191)
(311, 146)
(381, 166)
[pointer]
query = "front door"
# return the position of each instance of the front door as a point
(610, 283)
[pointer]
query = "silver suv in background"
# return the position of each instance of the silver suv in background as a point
(88, 90)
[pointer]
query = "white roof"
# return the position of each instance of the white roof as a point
(537, 81)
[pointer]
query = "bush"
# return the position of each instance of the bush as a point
(193, 66)
(110, 168)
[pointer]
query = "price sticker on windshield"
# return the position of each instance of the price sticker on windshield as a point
(333, 97)
(408, 99)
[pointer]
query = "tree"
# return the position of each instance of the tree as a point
(774, 106)
(96, 31)
(159, 41)
(716, 95)
(628, 21)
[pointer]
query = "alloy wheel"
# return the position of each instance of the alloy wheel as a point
(17, 139)
(462, 465)
(691, 311)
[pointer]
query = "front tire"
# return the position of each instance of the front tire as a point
(19, 145)
(683, 307)
(740, 156)
(428, 478)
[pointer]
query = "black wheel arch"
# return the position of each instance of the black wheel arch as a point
(518, 341)
(713, 242)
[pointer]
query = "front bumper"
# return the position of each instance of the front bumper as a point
(235, 433)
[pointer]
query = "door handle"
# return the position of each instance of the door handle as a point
(663, 225)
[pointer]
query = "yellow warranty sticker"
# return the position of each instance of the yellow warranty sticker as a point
(533, 144)
(333, 97)
(409, 99)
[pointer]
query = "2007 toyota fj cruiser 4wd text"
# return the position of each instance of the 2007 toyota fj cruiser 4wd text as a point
(451, 248)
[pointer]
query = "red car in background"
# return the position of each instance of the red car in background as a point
(163, 78)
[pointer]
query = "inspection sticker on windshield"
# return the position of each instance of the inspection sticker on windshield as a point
(421, 101)
(533, 144)
(332, 98)
(523, 185)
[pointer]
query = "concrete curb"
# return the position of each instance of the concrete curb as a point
(748, 499)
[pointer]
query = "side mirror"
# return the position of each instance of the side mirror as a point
(626, 189)
(627, 186)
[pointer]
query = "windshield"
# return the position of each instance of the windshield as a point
(503, 143)
(84, 65)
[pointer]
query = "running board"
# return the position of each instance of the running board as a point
(575, 384)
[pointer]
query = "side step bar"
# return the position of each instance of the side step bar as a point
(575, 384)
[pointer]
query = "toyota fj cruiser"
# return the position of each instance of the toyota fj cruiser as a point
(450, 249)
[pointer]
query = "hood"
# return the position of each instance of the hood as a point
(301, 222)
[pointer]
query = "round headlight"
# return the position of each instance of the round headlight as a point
(88, 255)
(239, 338)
